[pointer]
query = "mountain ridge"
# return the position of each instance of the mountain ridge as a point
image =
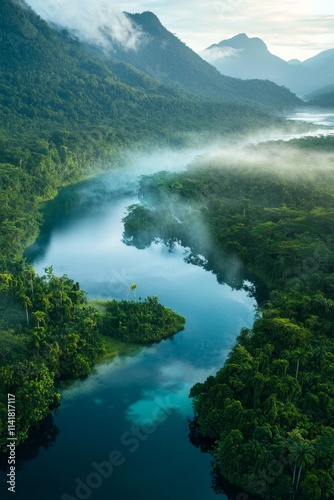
(164, 57)
(254, 60)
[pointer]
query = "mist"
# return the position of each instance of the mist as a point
(218, 53)
(100, 22)
(257, 150)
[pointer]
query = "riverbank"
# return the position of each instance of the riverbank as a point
(274, 395)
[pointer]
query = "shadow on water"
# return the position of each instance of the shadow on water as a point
(72, 204)
(220, 485)
(228, 269)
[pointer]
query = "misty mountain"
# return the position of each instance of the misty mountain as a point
(244, 57)
(323, 100)
(50, 82)
(48, 75)
(164, 57)
(319, 92)
(320, 60)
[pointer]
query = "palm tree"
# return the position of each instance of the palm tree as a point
(302, 453)
(300, 356)
(27, 303)
(132, 288)
(39, 317)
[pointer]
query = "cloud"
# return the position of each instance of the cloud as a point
(284, 25)
(218, 53)
(298, 29)
(99, 22)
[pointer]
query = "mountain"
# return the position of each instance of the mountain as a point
(49, 80)
(164, 57)
(244, 57)
(63, 84)
(295, 62)
(323, 100)
(65, 108)
(324, 90)
(320, 60)
(63, 112)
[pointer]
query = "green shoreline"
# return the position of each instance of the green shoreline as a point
(269, 408)
(49, 332)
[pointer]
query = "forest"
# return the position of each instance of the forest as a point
(140, 322)
(64, 115)
(50, 333)
(267, 414)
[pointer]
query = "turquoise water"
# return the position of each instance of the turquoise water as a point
(123, 432)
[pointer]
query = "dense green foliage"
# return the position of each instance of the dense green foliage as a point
(51, 82)
(64, 113)
(48, 333)
(140, 322)
(62, 110)
(268, 412)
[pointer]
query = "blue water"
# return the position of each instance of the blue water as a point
(130, 415)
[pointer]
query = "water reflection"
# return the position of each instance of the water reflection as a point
(148, 392)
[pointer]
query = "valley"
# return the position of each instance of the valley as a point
(165, 230)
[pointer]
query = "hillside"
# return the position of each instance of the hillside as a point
(244, 57)
(63, 111)
(49, 81)
(266, 416)
(325, 100)
(164, 57)
(318, 92)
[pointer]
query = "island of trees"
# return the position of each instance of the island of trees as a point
(58, 335)
(66, 113)
(140, 322)
(267, 415)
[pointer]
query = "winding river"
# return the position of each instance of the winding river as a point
(123, 432)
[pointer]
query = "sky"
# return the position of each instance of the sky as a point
(292, 29)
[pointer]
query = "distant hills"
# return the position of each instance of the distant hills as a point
(323, 100)
(244, 57)
(49, 81)
(164, 57)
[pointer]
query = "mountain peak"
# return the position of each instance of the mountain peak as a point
(243, 42)
(147, 19)
(294, 62)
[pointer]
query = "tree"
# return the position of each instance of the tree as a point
(133, 288)
(39, 317)
(27, 303)
(301, 453)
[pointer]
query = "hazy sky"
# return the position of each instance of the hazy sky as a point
(290, 28)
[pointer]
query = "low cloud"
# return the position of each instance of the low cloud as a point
(218, 53)
(100, 22)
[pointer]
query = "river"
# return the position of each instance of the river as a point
(83, 238)
(123, 432)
